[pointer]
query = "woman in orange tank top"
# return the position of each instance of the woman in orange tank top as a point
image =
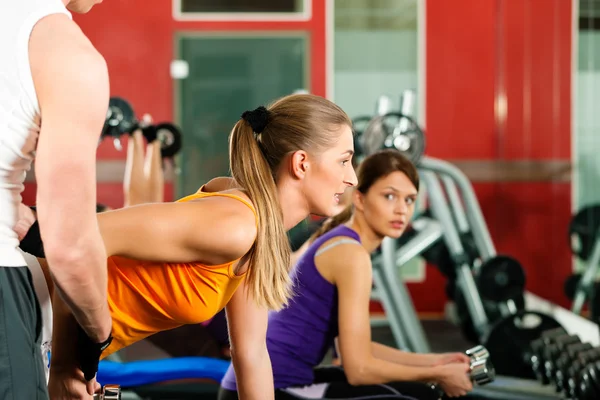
(225, 246)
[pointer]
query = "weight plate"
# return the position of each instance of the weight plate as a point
(509, 339)
(394, 130)
(500, 279)
(170, 139)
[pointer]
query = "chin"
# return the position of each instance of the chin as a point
(395, 234)
(324, 211)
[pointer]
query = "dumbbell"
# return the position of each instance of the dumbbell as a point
(574, 371)
(167, 134)
(121, 120)
(573, 376)
(109, 392)
(547, 352)
(537, 346)
(564, 361)
(482, 370)
(553, 352)
(589, 382)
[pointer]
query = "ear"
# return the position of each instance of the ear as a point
(358, 200)
(299, 164)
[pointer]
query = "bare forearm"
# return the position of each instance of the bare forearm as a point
(390, 354)
(377, 371)
(254, 377)
(80, 279)
(66, 211)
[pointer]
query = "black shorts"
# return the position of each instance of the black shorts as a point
(21, 369)
(331, 383)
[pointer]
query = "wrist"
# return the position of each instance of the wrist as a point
(432, 359)
(439, 373)
(103, 331)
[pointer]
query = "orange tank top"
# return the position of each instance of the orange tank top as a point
(148, 297)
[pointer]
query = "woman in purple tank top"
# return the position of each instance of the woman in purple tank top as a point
(333, 281)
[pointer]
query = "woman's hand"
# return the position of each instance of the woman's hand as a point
(68, 383)
(450, 358)
(454, 379)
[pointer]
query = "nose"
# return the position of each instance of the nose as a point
(350, 179)
(401, 207)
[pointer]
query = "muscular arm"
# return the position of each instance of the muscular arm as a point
(349, 267)
(71, 82)
(247, 331)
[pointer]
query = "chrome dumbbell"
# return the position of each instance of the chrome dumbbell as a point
(482, 369)
(109, 392)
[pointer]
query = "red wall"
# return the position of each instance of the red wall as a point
(477, 51)
(137, 39)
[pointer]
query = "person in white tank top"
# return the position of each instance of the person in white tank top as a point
(54, 94)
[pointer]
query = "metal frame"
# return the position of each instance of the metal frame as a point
(391, 289)
(585, 287)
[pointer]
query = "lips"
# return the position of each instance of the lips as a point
(397, 224)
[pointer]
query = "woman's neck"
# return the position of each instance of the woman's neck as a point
(369, 239)
(293, 204)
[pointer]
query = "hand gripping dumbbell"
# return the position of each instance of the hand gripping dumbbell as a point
(564, 361)
(481, 372)
(109, 392)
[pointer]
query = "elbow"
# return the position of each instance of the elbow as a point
(63, 259)
(357, 374)
(247, 357)
(72, 263)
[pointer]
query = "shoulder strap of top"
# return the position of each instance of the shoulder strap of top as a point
(200, 194)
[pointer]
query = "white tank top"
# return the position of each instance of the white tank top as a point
(19, 112)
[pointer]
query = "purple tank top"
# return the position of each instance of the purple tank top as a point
(300, 335)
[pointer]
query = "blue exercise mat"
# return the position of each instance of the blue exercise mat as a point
(136, 373)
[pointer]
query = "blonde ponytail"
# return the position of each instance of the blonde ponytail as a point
(269, 283)
(259, 143)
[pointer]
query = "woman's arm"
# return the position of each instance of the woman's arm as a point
(349, 267)
(247, 334)
(154, 173)
(213, 230)
(135, 184)
(391, 354)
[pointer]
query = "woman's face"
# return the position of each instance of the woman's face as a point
(389, 204)
(330, 175)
